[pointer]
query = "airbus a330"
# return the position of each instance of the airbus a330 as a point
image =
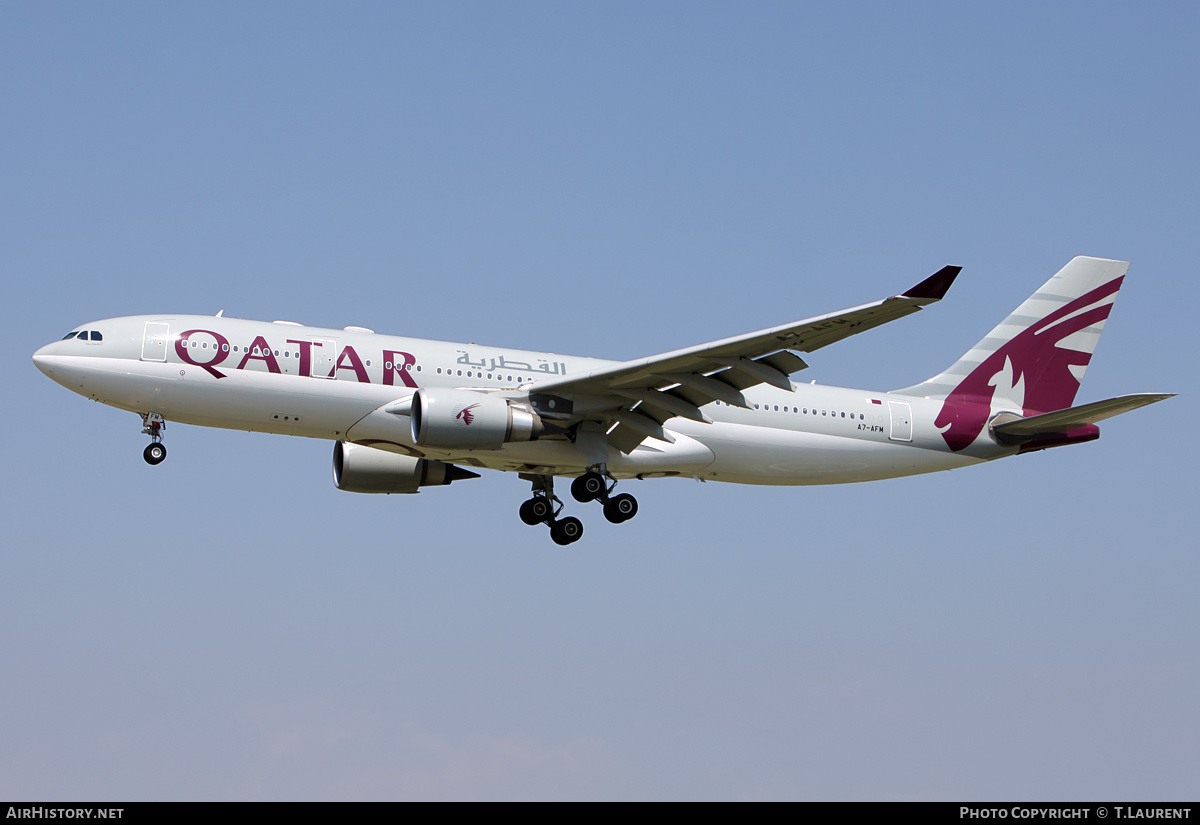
(406, 413)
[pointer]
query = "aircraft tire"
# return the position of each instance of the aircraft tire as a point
(620, 508)
(588, 487)
(535, 511)
(154, 453)
(566, 531)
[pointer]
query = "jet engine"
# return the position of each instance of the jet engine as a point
(463, 420)
(358, 469)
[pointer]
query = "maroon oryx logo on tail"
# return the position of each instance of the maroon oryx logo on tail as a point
(1036, 360)
(466, 415)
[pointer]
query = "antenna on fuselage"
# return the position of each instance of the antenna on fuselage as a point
(220, 313)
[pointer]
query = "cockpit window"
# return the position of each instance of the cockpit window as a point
(96, 336)
(70, 335)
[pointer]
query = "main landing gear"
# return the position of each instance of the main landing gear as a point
(593, 486)
(156, 451)
(545, 507)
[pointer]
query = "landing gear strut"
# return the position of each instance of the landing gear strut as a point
(156, 451)
(545, 507)
(594, 485)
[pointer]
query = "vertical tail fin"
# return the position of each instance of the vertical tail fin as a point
(1034, 360)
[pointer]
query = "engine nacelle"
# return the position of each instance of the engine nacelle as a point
(463, 420)
(358, 469)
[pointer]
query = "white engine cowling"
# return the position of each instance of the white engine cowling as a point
(463, 420)
(358, 469)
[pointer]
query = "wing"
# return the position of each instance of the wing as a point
(639, 396)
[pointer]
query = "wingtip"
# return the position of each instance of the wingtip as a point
(934, 287)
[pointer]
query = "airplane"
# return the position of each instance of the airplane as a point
(407, 413)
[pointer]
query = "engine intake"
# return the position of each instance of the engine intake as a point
(463, 420)
(358, 469)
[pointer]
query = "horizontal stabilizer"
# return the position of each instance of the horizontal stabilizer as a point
(1065, 420)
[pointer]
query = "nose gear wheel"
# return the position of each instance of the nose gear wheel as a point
(153, 426)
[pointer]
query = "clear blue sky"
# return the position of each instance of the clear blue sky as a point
(607, 179)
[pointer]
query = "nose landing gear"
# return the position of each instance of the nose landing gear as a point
(154, 425)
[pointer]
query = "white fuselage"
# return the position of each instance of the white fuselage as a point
(337, 384)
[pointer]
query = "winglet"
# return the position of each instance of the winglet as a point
(934, 287)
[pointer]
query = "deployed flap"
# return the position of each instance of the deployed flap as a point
(1069, 419)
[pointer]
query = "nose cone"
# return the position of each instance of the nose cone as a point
(44, 359)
